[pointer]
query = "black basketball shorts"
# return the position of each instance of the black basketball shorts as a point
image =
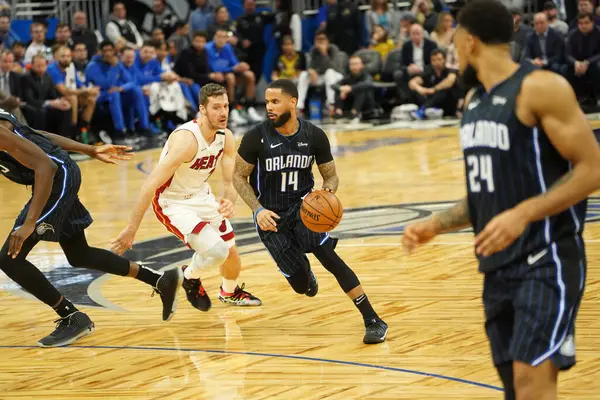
(63, 215)
(291, 242)
(531, 306)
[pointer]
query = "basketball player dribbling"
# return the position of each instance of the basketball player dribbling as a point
(278, 155)
(531, 161)
(183, 200)
(55, 214)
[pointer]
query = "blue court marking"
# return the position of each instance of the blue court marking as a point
(292, 357)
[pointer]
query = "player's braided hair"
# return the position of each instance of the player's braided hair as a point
(211, 90)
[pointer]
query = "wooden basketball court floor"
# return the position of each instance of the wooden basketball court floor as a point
(293, 347)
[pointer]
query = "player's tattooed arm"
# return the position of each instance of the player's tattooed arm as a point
(329, 174)
(241, 173)
(455, 218)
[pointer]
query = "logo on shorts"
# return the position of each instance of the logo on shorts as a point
(43, 228)
(568, 347)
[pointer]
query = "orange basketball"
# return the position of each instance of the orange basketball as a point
(321, 211)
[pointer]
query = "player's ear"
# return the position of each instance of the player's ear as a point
(293, 102)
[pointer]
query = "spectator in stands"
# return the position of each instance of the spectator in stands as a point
(44, 108)
(584, 7)
(62, 35)
(323, 12)
(521, 30)
(354, 93)
(452, 57)
(82, 34)
(287, 22)
(148, 68)
(324, 69)
(117, 89)
(68, 85)
(381, 15)
(545, 48)
(121, 31)
(221, 21)
(158, 35)
(18, 50)
(416, 54)
(583, 55)
(80, 61)
(435, 87)
(423, 9)
(202, 17)
(161, 18)
(7, 36)
(344, 26)
(444, 30)
(290, 63)
(250, 29)
(380, 42)
(192, 66)
(222, 59)
(163, 56)
(406, 21)
(10, 86)
(37, 46)
(554, 22)
(181, 38)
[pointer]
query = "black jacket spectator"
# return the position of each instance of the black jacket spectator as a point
(582, 47)
(344, 26)
(408, 51)
(554, 48)
(194, 65)
(80, 33)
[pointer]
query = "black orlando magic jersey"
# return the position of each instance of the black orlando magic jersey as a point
(506, 163)
(283, 164)
(16, 171)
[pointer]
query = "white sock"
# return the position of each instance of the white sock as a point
(193, 271)
(228, 285)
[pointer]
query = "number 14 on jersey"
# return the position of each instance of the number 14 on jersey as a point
(289, 179)
(480, 170)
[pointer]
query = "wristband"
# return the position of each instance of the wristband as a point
(258, 210)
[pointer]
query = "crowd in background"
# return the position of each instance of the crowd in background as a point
(141, 80)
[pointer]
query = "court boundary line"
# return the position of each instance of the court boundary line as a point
(275, 355)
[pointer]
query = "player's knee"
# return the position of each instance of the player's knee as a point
(76, 259)
(218, 253)
(532, 382)
(299, 281)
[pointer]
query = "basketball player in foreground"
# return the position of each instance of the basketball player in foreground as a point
(531, 161)
(183, 201)
(278, 155)
(54, 213)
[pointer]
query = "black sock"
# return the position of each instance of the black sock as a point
(148, 276)
(65, 307)
(364, 306)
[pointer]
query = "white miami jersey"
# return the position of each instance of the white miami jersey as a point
(190, 179)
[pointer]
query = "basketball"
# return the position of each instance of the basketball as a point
(321, 211)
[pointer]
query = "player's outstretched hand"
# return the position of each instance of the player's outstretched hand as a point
(18, 237)
(500, 232)
(111, 153)
(418, 234)
(226, 208)
(266, 220)
(124, 242)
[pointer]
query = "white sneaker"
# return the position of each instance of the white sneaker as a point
(236, 118)
(254, 115)
(105, 137)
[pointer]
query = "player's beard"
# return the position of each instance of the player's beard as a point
(469, 77)
(63, 65)
(283, 119)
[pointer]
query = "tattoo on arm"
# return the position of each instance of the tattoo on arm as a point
(329, 174)
(240, 181)
(456, 217)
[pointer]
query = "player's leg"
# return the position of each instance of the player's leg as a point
(230, 83)
(89, 105)
(81, 255)
(73, 323)
(546, 306)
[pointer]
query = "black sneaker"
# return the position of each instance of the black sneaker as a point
(240, 297)
(376, 331)
(195, 293)
(167, 287)
(68, 330)
(313, 285)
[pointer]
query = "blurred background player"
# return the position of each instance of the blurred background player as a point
(183, 201)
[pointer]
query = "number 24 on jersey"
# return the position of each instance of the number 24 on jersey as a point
(480, 171)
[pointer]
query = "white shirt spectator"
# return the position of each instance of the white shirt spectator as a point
(116, 26)
(36, 48)
(418, 55)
